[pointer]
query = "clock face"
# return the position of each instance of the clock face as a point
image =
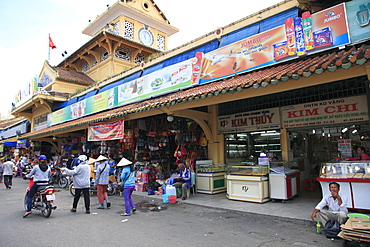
(146, 37)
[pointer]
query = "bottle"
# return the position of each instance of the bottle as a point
(362, 16)
(318, 228)
(307, 30)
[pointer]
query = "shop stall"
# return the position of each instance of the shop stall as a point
(210, 178)
(284, 182)
(354, 181)
(247, 182)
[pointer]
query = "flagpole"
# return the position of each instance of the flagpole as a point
(49, 49)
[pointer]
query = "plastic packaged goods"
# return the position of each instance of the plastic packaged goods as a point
(299, 37)
(307, 30)
(290, 37)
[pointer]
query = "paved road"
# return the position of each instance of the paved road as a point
(171, 225)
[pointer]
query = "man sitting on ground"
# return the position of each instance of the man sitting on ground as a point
(337, 204)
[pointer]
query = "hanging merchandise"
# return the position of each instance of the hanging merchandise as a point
(203, 140)
(153, 128)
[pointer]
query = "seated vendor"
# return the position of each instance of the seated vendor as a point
(361, 155)
(337, 204)
(183, 181)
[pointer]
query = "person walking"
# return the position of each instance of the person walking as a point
(102, 181)
(81, 182)
(1, 170)
(128, 176)
(8, 173)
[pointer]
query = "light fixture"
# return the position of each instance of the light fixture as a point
(354, 131)
(313, 131)
(344, 130)
(54, 138)
(170, 118)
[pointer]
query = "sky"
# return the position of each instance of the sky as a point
(25, 26)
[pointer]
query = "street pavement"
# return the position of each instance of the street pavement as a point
(154, 224)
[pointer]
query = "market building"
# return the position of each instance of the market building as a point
(290, 81)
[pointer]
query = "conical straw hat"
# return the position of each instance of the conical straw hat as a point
(124, 162)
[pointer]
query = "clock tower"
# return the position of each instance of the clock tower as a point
(127, 34)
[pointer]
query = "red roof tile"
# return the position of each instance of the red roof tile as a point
(74, 76)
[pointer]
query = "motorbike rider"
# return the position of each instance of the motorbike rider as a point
(41, 174)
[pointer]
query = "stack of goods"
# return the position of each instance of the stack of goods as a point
(142, 180)
(357, 228)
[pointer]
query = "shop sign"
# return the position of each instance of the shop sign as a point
(299, 36)
(345, 147)
(249, 121)
(106, 131)
(1, 148)
(342, 110)
(21, 143)
(358, 12)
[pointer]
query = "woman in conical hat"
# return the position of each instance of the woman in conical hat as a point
(128, 182)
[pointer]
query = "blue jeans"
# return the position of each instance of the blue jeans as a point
(30, 195)
(129, 203)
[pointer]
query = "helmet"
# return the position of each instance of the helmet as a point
(42, 157)
(82, 158)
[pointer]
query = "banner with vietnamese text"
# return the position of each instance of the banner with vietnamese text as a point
(106, 131)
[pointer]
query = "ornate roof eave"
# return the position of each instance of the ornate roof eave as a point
(92, 42)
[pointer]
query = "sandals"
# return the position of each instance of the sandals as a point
(26, 214)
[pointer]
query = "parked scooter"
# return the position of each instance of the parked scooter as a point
(111, 190)
(42, 200)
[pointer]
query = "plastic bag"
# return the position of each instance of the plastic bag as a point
(332, 229)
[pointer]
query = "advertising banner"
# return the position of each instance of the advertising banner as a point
(179, 76)
(299, 36)
(106, 131)
(342, 110)
(358, 14)
(249, 121)
(21, 144)
(160, 82)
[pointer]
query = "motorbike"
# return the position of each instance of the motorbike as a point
(111, 190)
(59, 178)
(42, 200)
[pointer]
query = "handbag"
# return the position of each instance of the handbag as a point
(332, 229)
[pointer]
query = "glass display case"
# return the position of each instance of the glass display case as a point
(210, 177)
(237, 146)
(210, 168)
(353, 178)
(345, 170)
(247, 182)
(247, 170)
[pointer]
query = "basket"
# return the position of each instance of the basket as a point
(355, 215)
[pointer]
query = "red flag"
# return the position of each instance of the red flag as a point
(51, 43)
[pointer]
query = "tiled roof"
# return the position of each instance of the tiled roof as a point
(315, 64)
(74, 76)
(7, 123)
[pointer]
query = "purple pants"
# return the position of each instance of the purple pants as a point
(129, 203)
